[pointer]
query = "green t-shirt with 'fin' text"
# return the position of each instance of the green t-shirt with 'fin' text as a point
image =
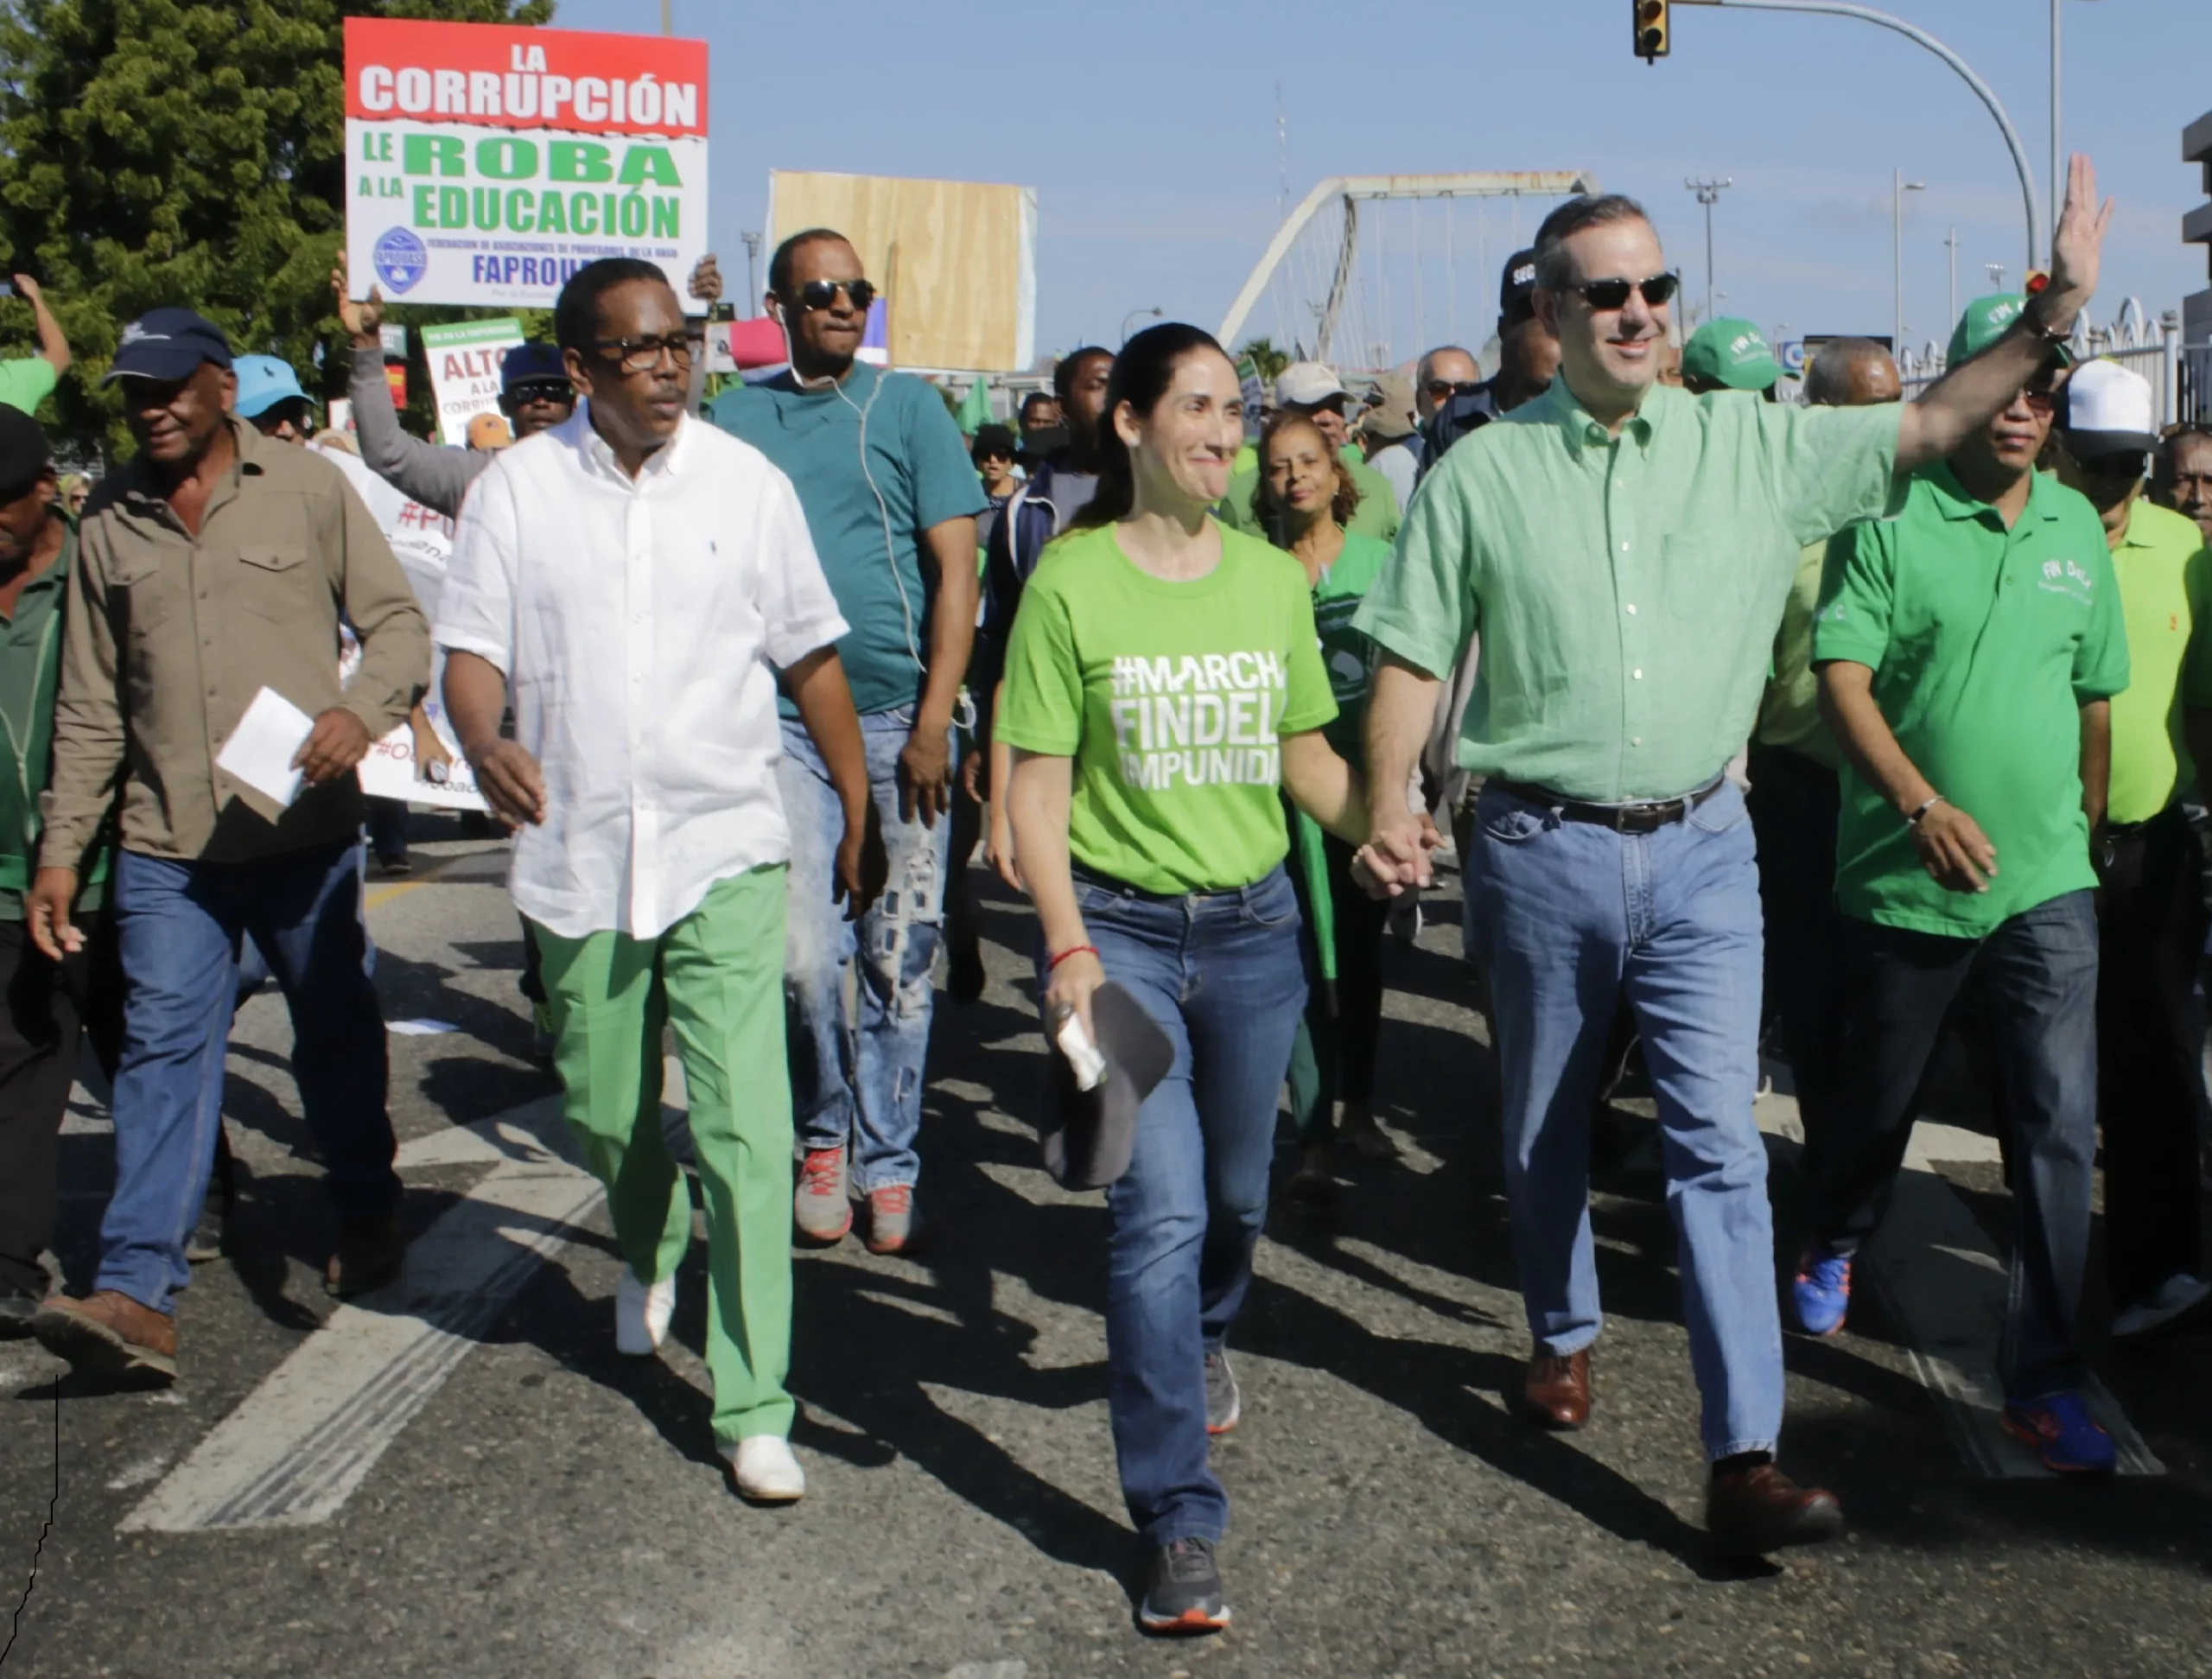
(1172, 698)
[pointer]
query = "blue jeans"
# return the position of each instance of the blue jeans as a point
(1571, 919)
(2037, 976)
(1220, 973)
(863, 1080)
(180, 924)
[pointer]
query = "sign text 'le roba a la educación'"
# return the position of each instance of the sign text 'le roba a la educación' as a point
(486, 163)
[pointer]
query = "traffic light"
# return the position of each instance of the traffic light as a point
(1650, 29)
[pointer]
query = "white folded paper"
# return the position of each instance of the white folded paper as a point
(261, 748)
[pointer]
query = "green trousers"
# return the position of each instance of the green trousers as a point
(718, 976)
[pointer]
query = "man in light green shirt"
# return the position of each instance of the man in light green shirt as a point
(1624, 550)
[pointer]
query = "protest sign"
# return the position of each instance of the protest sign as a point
(487, 162)
(465, 360)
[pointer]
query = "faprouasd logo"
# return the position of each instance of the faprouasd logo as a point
(400, 260)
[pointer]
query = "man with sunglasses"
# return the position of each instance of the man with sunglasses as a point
(1624, 549)
(892, 500)
(1968, 649)
(2152, 917)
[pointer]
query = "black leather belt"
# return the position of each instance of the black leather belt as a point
(1643, 818)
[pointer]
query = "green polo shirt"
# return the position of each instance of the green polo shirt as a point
(2166, 592)
(1376, 515)
(1626, 588)
(1985, 644)
(30, 671)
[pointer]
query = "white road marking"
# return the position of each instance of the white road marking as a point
(297, 1446)
(1943, 1283)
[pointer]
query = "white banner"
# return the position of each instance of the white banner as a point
(487, 162)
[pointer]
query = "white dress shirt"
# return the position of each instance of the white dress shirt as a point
(637, 622)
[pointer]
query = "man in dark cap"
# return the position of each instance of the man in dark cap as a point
(43, 1004)
(216, 563)
(1527, 357)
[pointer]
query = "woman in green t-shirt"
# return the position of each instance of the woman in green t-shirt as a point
(1163, 686)
(1304, 498)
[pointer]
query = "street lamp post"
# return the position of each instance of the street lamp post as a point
(1898, 188)
(1137, 314)
(1953, 243)
(2058, 157)
(1708, 194)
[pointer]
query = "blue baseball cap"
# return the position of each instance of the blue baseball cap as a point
(534, 363)
(168, 344)
(264, 381)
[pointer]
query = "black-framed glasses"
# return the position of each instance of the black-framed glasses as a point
(1610, 294)
(642, 355)
(821, 294)
(1444, 389)
(542, 391)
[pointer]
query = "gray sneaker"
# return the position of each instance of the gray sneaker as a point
(821, 1208)
(1223, 1404)
(1183, 1595)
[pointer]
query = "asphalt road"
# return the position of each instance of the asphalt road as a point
(468, 1481)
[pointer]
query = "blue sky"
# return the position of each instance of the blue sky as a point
(1148, 131)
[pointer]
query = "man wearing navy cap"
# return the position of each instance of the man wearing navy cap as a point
(212, 565)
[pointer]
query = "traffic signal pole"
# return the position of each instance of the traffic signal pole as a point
(1652, 39)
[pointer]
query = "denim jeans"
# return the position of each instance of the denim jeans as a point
(2037, 976)
(1219, 971)
(860, 1080)
(1794, 803)
(179, 924)
(1573, 918)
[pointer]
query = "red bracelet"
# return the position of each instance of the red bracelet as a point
(1072, 949)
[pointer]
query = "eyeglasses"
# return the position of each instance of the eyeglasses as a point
(2040, 402)
(642, 355)
(820, 294)
(1442, 389)
(543, 390)
(1606, 295)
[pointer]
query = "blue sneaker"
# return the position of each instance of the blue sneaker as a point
(1821, 1291)
(2064, 1433)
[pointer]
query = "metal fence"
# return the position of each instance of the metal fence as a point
(2181, 381)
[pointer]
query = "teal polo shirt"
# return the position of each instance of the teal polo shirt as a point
(1985, 644)
(876, 462)
(31, 676)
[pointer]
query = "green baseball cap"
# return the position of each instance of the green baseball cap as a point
(1984, 322)
(1731, 352)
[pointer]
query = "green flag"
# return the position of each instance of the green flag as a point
(975, 409)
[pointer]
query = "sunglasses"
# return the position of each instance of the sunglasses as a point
(1606, 296)
(2040, 402)
(542, 391)
(1440, 389)
(642, 355)
(821, 294)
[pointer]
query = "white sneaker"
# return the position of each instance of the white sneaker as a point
(766, 1471)
(2177, 1296)
(641, 1314)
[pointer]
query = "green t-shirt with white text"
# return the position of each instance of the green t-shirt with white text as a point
(1172, 699)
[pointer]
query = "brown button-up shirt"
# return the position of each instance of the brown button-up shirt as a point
(169, 637)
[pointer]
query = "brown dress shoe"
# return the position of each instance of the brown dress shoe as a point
(1557, 1390)
(369, 1255)
(1749, 1512)
(110, 1334)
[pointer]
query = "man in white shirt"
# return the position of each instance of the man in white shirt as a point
(651, 849)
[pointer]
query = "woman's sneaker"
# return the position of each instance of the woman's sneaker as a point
(822, 1209)
(1184, 1593)
(766, 1470)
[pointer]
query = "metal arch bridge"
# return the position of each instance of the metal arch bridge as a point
(1351, 190)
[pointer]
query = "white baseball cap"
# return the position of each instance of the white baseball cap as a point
(1307, 384)
(2107, 410)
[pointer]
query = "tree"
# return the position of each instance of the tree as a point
(183, 151)
(1266, 360)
